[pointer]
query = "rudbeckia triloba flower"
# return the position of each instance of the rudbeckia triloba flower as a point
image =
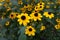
(0, 4)
(42, 28)
(58, 20)
(48, 14)
(7, 23)
(12, 15)
(20, 2)
(40, 3)
(17, 14)
(36, 8)
(57, 26)
(40, 6)
(30, 31)
(7, 0)
(36, 16)
(2, 0)
(23, 19)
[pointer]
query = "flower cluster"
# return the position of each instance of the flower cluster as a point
(34, 16)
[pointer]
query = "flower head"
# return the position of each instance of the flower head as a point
(30, 31)
(42, 28)
(36, 16)
(48, 14)
(58, 20)
(7, 23)
(12, 15)
(23, 19)
(57, 26)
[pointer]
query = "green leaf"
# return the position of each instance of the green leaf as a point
(52, 21)
(22, 35)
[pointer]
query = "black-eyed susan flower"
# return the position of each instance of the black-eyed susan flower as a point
(0, 4)
(7, 0)
(58, 2)
(2, 17)
(42, 28)
(7, 23)
(20, 2)
(40, 4)
(23, 19)
(36, 16)
(57, 26)
(30, 31)
(2, 0)
(58, 20)
(12, 15)
(23, 9)
(5, 5)
(41, 7)
(8, 8)
(35, 11)
(48, 14)
(36, 8)
(29, 7)
(17, 14)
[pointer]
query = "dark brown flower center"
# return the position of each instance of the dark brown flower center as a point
(30, 29)
(11, 15)
(26, 4)
(40, 3)
(23, 17)
(36, 14)
(35, 11)
(40, 6)
(16, 14)
(49, 13)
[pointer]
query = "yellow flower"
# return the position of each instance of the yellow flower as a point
(8, 8)
(12, 15)
(29, 7)
(57, 26)
(36, 16)
(48, 14)
(35, 11)
(30, 31)
(2, 0)
(17, 14)
(20, 2)
(7, 23)
(23, 9)
(0, 4)
(58, 2)
(23, 19)
(41, 4)
(5, 5)
(2, 17)
(7, 0)
(58, 20)
(41, 7)
(42, 28)
(36, 8)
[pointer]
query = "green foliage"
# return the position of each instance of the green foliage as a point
(17, 32)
